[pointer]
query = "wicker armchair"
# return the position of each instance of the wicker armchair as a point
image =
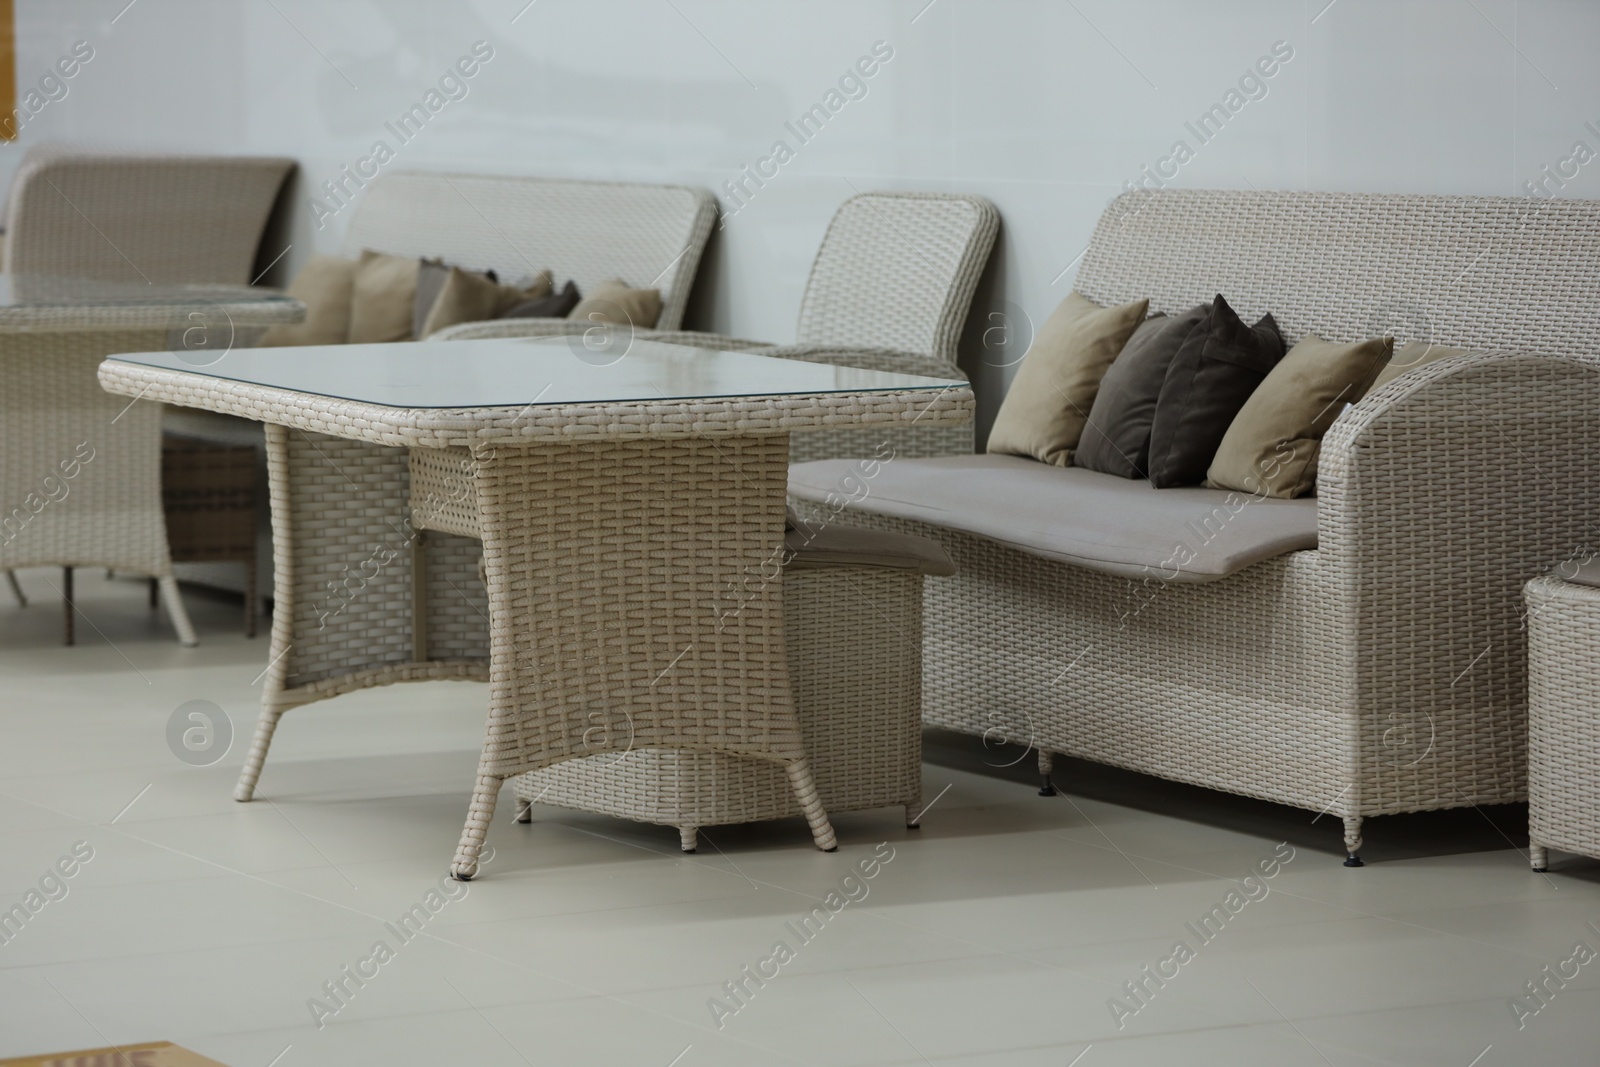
(1385, 670)
(140, 219)
(889, 290)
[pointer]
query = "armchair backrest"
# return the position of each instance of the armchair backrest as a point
(140, 218)
(650, 236)
(897, 270)
(1481, 272)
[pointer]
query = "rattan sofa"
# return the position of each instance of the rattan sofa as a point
(1364, 658)
(889, 290)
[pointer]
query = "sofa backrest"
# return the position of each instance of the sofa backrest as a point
(1474, 271)
(650, 236)
(140, 218)
(897, 270)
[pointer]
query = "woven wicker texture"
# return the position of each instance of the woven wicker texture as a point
(651, 236)
(153, 219)
(889, 290)
(1563, 718)
(852, 636)
(1383, 672)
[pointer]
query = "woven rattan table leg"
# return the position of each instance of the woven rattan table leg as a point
(1352, 841)
(607, 562)
(1047, 765)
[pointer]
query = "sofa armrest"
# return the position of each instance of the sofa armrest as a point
(884, 359)
(1441, 494)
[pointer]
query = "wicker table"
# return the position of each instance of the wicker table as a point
(1564, 714)
(618, 499)
(80, 471)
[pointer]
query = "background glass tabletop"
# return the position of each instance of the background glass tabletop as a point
(544, 371)
(51, 291)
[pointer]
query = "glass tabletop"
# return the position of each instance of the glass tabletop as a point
(53, 291)
(511, 372)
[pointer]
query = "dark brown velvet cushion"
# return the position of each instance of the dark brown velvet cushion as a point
(1117, 438)
(1214, 372)
(557, 305)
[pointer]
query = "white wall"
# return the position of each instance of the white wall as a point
(1044, 106)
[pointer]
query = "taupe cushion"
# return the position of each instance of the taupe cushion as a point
(1094, 520)
(613, 302)
(1117, 437)
(384, 298)
(1048, 402)
(325, 286)
(1273, 444)
(834, 545)
(1214, 372)
(1410, 356)
(467, 296)
(556, 305)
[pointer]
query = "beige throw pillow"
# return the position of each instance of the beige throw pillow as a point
(1410, 356)
(324, 285)
(1047, 406)
(467, 296)
(1273, 444)
(385, 294)
(612, 302)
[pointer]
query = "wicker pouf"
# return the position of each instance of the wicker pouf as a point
(853, 628)
(1563, 718)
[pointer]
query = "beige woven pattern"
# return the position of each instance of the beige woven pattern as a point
(889, 290)
(651, 236)
(147, 219)
(1563, 724)
(1384, 671)
(852, 641)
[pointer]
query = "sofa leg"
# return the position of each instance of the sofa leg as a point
(1538, 858)
(524, 810)
(1352, 842)
(1047, 761)
(689, 838)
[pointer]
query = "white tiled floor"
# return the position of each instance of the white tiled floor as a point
(996, 935)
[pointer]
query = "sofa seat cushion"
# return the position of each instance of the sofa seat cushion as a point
(1094, 520)
(831, 544)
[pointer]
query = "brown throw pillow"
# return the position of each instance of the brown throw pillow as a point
(1273, 445)
(467, 296)
(324, 285)
(614, 303)
(553, 306)
(1408, 357)
(384, 298)
(1213, 373)
(1117, 437)
(1048, 403)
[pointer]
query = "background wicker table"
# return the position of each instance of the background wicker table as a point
(618, 498)
(1563, 716)
(80, 470)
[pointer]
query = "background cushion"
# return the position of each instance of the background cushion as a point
(325, 286)
(1116, 439)
(1274, 442)
(1069, 514)
(1048, 402)
(1213, 373)
(556, 305)
(613, 302)
(468, 296)
(383, 299)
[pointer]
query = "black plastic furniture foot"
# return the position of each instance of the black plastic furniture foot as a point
(1046, 787)
(1353, 860)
